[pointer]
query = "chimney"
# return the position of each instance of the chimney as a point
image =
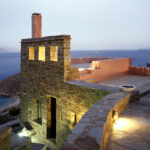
(36, 25)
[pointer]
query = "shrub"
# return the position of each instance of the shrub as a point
(14, 111)
(3, 119)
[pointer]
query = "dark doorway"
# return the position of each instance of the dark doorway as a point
(53, 113)
(51, 117)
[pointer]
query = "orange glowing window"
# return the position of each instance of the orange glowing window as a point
(31, 53)
(53, 53)
(41, 53)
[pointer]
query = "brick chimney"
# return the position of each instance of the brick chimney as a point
(36, 25)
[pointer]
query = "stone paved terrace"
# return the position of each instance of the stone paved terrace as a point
(84, 136)
(140, 82)
(132, 130)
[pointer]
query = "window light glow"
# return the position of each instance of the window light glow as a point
(41, 53)
(31, 53)
(53, 53)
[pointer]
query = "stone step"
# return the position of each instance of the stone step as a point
(85, 76)
(20, 142)
(85, 71)
(36, 146)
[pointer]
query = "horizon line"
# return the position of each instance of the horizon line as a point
(16, 51)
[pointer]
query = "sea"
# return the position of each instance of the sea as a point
(10, 62)
(4, 100)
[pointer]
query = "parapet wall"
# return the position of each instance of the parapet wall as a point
(139, 70)
(107, 68)
(81, 60)
(94, 128)
(110, 68)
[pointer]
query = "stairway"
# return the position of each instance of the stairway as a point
(86, 76)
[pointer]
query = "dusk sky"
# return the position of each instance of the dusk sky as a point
(92, 24)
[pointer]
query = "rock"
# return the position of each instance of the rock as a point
(10, 86)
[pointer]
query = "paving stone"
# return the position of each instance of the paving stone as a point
(96, 132)
(142, 83)
(136, 135)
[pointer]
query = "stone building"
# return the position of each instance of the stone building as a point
(50, 105)
(56, 91)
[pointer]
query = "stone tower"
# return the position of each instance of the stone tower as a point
(49, 104)
(45, 63)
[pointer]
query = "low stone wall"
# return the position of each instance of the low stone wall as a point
(94, 128)
(139, 70)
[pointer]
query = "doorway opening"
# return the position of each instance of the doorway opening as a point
(51, 117)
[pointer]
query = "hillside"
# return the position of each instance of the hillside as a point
(10, 86)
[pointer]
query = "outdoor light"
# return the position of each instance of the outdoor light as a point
(126, 124)
(23, 133)
(20, 134)
(115, 115)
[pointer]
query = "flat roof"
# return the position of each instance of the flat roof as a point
(142, 83)
(46, 38)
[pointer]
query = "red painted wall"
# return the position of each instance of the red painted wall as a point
(82, 60)
(108, 68)
(139, 70)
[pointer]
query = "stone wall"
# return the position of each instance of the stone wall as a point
(43, 80)
(94, 128)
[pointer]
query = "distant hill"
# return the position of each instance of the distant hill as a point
(2, 50)
(10, 86)
(7, 50)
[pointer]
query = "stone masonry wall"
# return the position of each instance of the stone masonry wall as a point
(94, 128)
(41, 80)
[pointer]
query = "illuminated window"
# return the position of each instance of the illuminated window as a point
(53, 53)
(31, 53)
(41, 53)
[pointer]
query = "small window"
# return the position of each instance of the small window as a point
(31, 53)
(38, 118)
(53, 53)
(41, 53)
